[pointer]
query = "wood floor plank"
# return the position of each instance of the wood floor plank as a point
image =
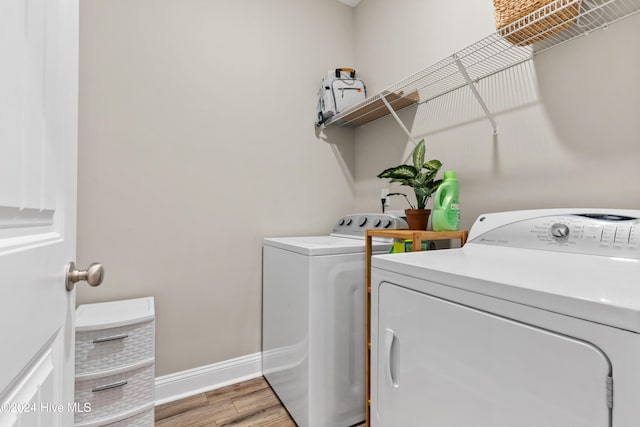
(284, 420)
(235, 390)
(199, 417)
(270, 416)
(179, 406)
(250, 403)
(255, 401)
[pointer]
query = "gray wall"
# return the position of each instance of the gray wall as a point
(568, 128)
(196, 141)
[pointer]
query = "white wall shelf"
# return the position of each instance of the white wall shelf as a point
(552, 25)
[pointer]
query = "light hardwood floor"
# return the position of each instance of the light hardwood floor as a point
(250, 403)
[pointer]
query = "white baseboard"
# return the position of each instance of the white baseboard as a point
(193, 381)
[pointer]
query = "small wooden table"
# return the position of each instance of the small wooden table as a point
(417, 237)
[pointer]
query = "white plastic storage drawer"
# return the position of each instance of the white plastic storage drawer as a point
(114, 394)
(106, 349)
(114, 334)
(144, 419)
(115, 357)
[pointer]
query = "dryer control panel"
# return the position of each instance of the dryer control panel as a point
(357, 224)
(594, 233)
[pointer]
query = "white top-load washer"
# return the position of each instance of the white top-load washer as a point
(534, 322)
(313, 320)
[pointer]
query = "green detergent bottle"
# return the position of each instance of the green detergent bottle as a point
(446, 204)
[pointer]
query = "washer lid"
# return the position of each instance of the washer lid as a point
(323, 245)
(601, 289)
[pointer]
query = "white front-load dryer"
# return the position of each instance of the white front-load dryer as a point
(534, 322)
(313, 320)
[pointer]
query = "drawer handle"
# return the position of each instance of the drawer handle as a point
(113, 338)
(109, 386)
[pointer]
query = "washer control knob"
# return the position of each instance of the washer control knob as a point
(349, 221)
(377, 223)
(362, 221)
(341, 222)
(387, 223)
(560, 231)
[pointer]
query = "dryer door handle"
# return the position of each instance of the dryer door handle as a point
(391, 352)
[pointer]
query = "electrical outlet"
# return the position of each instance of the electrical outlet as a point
(383, 195)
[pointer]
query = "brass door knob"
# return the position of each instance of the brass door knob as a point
(92, 275)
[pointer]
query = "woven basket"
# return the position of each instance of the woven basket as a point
(560, 15)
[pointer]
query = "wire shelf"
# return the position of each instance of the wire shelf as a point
(518, 42)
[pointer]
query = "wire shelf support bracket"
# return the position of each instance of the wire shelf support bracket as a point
(397, 118)
(475, 92)
(514, 44)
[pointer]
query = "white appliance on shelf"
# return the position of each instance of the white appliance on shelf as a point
(534, 322)
(313, 320)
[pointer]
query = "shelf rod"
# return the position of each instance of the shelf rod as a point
(395, 116)
(473, 88)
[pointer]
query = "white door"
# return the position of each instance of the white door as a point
(448, 365)
(38, 143)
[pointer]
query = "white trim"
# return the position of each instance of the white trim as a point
(197, 380)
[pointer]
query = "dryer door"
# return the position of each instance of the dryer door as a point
(443, 364)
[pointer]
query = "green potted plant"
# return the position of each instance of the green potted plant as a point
(422, 178)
